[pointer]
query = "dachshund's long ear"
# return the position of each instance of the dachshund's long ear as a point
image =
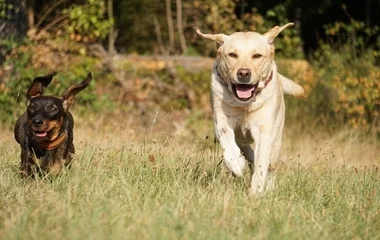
(272, 34)
(39, 85)
(68, 97)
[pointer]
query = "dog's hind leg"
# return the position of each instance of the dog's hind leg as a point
(249, 154)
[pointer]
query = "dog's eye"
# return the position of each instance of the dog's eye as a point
(53, 109)
(32, 107)
(256, 56)
(233, 55)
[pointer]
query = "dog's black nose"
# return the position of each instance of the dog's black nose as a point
(37, 121)
(244, 75)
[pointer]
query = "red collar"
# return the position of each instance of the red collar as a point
(269, 78)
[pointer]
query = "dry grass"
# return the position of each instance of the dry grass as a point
(161, 183)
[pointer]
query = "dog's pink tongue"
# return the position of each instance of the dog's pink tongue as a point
(244, 91)
(41, 134)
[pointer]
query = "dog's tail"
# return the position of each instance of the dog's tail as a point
(292, 88)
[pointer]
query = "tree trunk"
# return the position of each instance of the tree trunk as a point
(160, 42)
(368, 12)
(30, 10)
(169, 19)
(112, 35)
(13, 22)
(180, 26)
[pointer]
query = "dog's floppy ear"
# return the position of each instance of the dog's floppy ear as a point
(68, 96)
(39, 85)
(272, 34)
(218, 38)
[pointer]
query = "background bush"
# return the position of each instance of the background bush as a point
(343, 53)
(348, 69)
(19, 71)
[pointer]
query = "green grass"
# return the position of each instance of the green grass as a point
(165, 191)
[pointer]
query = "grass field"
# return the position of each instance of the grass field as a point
(159, 188)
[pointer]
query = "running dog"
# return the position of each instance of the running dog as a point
(45, 130)
(247, 98)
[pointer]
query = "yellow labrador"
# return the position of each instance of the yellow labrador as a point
(247, 97)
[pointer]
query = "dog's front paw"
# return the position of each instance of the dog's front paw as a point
(261, 185)
(256, 191)
(258, 185)
(235, 164)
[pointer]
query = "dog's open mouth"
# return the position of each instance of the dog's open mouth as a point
(40, 134)
(245, 92)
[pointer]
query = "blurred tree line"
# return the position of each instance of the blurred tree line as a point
(167, 27)
(340, 38)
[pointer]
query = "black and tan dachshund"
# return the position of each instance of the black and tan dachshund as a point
(45, 130)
